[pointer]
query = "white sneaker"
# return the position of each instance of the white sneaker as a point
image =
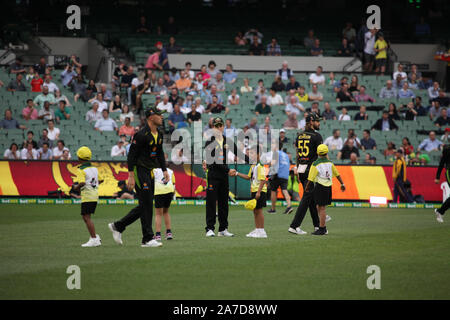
(225, 233)
(117, 236)
(252, 234)
(261, 234)
(152, 243)
(439, 216)
(210, 233)
(297, 231)
(93, 242)
(328, 218)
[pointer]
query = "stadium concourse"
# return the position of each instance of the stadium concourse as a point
(77, 131)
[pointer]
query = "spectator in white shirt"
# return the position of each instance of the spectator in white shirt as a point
(28, 153)
(433, 92)
(285, 73)
(294, 107)
(246, 87)
(178, 157)
(344, 116)
(44, 152)
(188, 70)
(291, 93)
(53, 133)
(93, 115)
(106, 123)
(126, 113)
(369, 49)
(102, 105)
(400, 72)
(315, 95)
(52, 87)
(118, 150)
(318, 77)
(59, 150)
(274, 99)
(165, 104)
(198, 105)
(230, 130)
(12, 153)
(233, 98)
(334, 142)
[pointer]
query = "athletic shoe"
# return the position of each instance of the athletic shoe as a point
(93, 242)
(320, 232)
(251, 234)
(328, 218)
(225, 233)
(169, 236)
(272, 211)
(439, 217)
(297, 231)
(152, 243)
(261, 234)
(288, 210)
(117, 236)
(157, 238)
(210, 233)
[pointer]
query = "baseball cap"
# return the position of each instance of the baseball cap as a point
(322, 149)
(217, 122)
(313, 116)
(447, 129)
(282, 130)
(152, 111)
(159, 43)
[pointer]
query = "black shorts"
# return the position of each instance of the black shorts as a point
(368, 58)
(278, 182)
(322, 195)
(163, 200)
(261, 202)
(88, 207)
(380, 63)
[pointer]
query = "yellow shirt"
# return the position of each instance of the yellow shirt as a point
(303, 98)
(160, 186)
(381, 45)
(257, 173)
(89, 175)
(322, 171)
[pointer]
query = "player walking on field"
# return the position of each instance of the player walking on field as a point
(445, 161)
(217, 172)
(320, 178)
(146, 153)
(88, 181)
(307, 142)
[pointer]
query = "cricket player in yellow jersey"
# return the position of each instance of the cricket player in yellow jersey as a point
(257, 175)
(321, 174)
(88, 181)
(164, 192)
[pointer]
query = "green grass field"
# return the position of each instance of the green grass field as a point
(39, 242)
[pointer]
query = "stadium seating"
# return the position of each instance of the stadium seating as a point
(76, 131)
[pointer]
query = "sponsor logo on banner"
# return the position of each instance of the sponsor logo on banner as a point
(365, 205)
(5, 200)
(402, 205)
(42, 201)
(339, 204)
(59, 201)
(348, 205)
(393, 205)
(410, 205)
(23, 201)
(112, 201)
(120, 201)
(357, 204)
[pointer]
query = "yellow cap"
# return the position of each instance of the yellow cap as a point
(322, 150)
(84, 153)
(251, 204)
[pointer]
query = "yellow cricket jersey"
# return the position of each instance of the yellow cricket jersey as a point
(322, 171)
(257, 173)
(160, 187)
(155, 136)
(303, 98)
(381, 45)
(399, 169)
(89, 175)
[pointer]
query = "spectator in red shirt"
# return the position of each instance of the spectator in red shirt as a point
(127, 129)
(153, 61)
(407, 146)
(36, 83)
(30, 112)
(205, 75)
